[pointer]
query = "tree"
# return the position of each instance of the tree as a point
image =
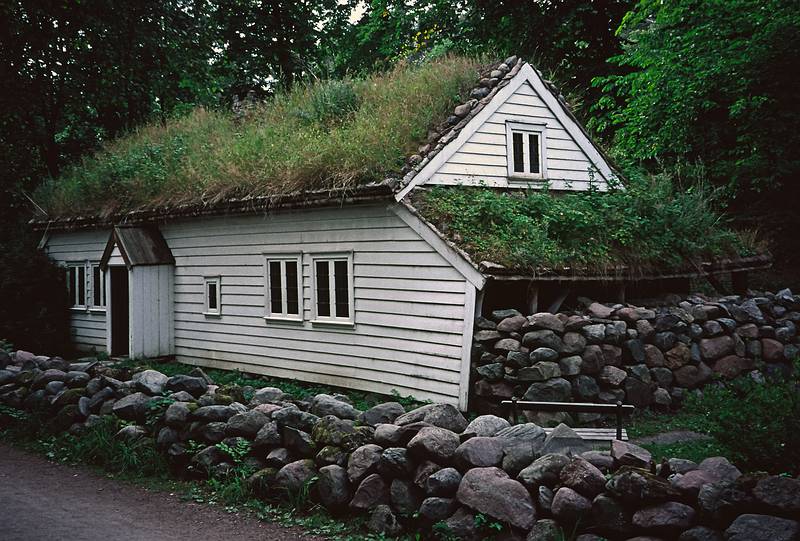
(711, 81)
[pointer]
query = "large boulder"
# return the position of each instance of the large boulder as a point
(436, 508)
(405, 496)
(628, 454)
(333, 488)
(490, 491)
(363, 462)
(610, 517)
(781, 495)
(544, 321)
(583, 477)
(382, 521)
(570, 507)
(189, 384)
(691, 376)
(246, 424)
(151, 382)
(444, 482)
(382, 413)
(269, 435)
(479, 452)
(132, 407)
(565, 440)
(434, 443)
(267, 395)
(213, 413)
(294, 476)
(554, 390)
(295, 417)
(762, 528)
(441, 415)
(639, 487)
(371, 492)
(522, 444)
(717, 347)
(671, 517)
(324, 404)
(486, 426)
(395, 462)
(545, 470)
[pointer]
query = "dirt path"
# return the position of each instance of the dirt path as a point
(42, 501)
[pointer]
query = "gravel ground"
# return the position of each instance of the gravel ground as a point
(42, 501)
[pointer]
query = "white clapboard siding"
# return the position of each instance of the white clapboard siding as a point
(482, 159)
(152, 319)
(88, 327)
(409, 302)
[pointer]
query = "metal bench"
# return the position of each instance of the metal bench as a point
(592, 434)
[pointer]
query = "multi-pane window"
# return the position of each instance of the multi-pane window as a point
(333, 288)
(76, 285)
(283, 279)
(526, 150)
(212, 296)
(98, 287)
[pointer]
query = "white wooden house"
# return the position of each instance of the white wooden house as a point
(351, 289)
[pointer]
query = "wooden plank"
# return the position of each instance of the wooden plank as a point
(606, 434)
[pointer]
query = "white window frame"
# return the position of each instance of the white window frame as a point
(90, 290)
(207, 310)
(72, 287)
(283, 315)
(333, 319)
(526, 128)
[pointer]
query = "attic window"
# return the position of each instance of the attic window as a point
(527, 150)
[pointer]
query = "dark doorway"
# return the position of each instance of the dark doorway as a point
(119, 310)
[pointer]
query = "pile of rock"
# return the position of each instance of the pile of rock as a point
(408, 470)
(648, 357)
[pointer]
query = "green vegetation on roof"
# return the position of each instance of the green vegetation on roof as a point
(318, 135)
(649, 226)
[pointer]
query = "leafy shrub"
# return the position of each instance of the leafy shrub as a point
(33, 313)
(651, 224)
(759, 422)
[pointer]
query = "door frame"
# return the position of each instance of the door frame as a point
(109, 308)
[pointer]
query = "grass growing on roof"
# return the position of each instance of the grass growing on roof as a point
(318, 135)
(649, 225)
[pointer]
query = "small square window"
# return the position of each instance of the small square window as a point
(527, 150)
(333, 289)
(284, 274)
(213, 296)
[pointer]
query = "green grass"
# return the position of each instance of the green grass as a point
(649, 226)
(318, 135)
(298, 389)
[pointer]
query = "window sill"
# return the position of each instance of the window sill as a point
(334, 323)
(526, 178)
(287, 320)
(78, 309)
(97, 310)
(212, 314)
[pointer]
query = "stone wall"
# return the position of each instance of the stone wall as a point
(427, 470)
(645, 356)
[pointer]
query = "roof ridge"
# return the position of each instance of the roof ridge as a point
(490, 82)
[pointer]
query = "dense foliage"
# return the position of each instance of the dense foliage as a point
(327, 134)
(712, 81)
(34, 311)
(757, 422)
(649, 225)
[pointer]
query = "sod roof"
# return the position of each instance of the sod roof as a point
(334, 137)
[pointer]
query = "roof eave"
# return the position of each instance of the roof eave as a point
(375, 191)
